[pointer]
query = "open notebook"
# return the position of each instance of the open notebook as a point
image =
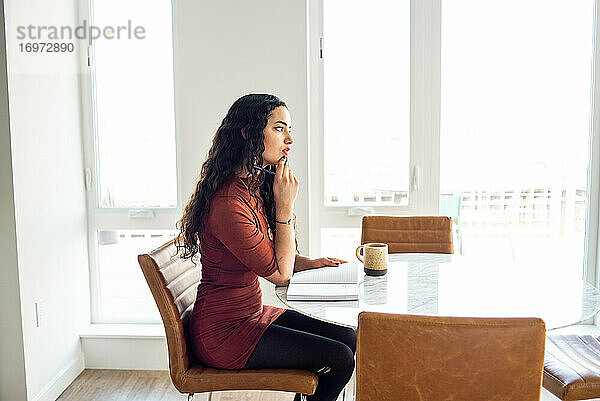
(336, 283)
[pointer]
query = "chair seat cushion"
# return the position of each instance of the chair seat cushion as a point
(199, 379)
(572, 366)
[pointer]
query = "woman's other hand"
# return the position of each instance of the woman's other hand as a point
(285, 190)
(325, 262)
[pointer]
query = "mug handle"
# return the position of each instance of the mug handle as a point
(359, 253)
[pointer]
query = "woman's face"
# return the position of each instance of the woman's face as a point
(278, 136)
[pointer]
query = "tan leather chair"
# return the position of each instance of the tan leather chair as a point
(173, 283)
(405, 234)
(429, 358)
(572, 367)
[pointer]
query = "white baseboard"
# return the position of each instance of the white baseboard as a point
(61, 381)
(134, 353)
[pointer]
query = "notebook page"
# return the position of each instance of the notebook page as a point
(322, 292)
(346, 273)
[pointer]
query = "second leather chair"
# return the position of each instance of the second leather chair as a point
(405, 234)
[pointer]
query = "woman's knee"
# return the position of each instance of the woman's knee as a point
(349, 359)
(346, 368)
(349, 338)
(342, 360)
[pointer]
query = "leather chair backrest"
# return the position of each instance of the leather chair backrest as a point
(406, 234)
(410, 358)
(173, 283)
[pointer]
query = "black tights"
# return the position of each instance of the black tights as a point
(297, 341)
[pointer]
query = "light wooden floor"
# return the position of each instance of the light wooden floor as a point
(155, 385)
(148, 385)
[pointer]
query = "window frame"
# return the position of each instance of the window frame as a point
(424, 115)
(117, 218)
(592, 239)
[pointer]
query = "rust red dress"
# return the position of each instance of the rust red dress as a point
(229, 318)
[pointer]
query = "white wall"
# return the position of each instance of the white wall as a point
(12, 361)
(49, 199)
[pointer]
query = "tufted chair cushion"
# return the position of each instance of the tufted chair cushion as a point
(572, 366)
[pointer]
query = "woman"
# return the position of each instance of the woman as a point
(241, 219)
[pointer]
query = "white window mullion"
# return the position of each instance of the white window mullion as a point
(425, 104)
(592, 244)
(88, 124)
(315, 91)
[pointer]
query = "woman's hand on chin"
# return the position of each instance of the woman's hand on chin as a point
(325, 262)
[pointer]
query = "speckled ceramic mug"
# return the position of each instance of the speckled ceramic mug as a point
(375, 258)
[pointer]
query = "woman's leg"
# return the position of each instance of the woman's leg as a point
(285, 348)
(298, 321)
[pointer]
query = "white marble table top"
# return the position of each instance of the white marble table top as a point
(454, 285)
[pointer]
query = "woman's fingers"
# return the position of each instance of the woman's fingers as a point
(284, 173)
(329, 262)
(279, 172)
(285, 185)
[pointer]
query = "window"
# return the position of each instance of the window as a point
(373, 116)
(515, 121)
(130, 154)
(366, 120)
(496, 125)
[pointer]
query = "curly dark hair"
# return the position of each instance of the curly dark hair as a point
(239, 140)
